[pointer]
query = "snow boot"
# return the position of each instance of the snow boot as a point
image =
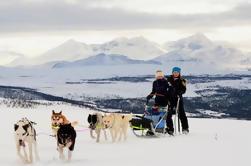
(170, 132)
(185, 131)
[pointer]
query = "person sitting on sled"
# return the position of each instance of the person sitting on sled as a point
(160, 90)
(179, 85)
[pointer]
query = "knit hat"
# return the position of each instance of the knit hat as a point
(176, 69)
(159, 73)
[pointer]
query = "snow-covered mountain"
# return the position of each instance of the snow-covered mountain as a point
(103, 59)
(70, 50)
(198, 49)
(193, 53)
(136, 48)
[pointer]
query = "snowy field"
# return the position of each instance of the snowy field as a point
(53, 81)
(211, 142)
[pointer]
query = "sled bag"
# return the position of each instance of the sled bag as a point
(141, 122)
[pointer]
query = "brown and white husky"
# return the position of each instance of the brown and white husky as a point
(58, 119)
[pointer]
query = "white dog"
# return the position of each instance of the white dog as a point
(117, 123)
(25, 133)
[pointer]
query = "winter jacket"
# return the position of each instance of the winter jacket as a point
(160, 87)
(178, 84)
(179, 88)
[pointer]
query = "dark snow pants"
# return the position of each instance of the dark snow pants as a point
(182, 114)
(169, 121)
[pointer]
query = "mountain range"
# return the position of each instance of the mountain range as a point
(103, 59)
(199, 49)
(195, 50)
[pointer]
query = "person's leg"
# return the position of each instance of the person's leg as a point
(169, 122)
(182, 116)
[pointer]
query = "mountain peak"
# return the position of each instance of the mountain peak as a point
(193, 42)
(199, 35)
(120, 39)
(72, 42)
(199, 38)
(139, 39)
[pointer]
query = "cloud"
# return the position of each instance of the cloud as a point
(27, 15)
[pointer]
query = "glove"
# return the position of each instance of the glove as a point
(179, 93)
(149, 97)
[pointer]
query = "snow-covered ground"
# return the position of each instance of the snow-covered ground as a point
(211, 142)
(53, 81)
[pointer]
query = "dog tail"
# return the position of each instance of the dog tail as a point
(75, 123)
(128, 117)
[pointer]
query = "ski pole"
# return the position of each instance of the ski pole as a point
(178, 112)
(175, 123)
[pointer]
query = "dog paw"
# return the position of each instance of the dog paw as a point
(37, 159)
(25, 161)
(62, 157)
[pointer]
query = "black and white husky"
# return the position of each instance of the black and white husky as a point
(25, 133)
(96, 123)
(66, 137)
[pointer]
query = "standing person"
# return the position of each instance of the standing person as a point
(161, 91)
(179, 88)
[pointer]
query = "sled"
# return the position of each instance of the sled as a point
(151, 124)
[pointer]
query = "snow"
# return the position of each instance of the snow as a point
(135, 48)
(210, 142)
(203, 53)
(244, 83)
(103, 59)
(68, 51)
(53, 81)
(211, 113)
(196, 53)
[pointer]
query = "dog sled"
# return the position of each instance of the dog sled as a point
(152, 123)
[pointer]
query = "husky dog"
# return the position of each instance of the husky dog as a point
(66, 136)
(117, 123)
(57, 119)
(25, 133)
(96, 123)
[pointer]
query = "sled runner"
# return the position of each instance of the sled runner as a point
(152, 123)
